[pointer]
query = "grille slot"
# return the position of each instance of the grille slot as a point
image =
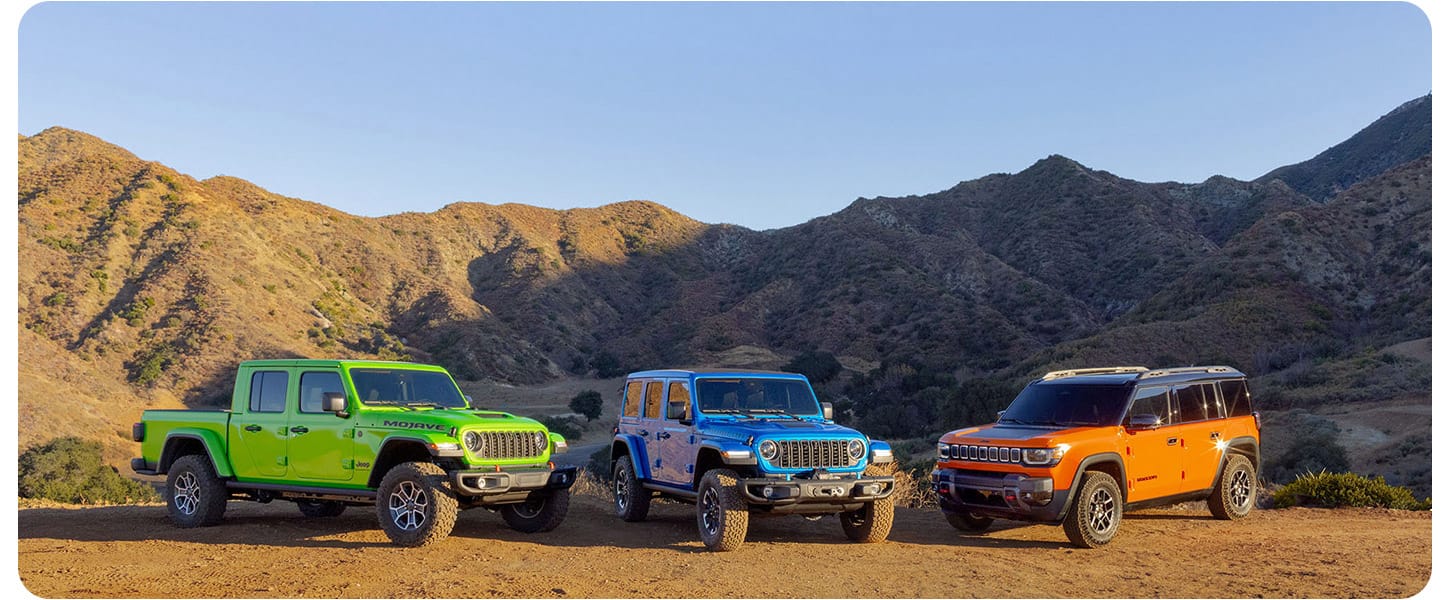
(508, 444)
(991, 454)
(812, 454)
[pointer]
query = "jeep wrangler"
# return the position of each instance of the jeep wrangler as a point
(743, 444)
(1079, 447)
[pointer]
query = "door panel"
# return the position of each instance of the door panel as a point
(1201, 451)
(1153, 457)
(320, 446)
(260, 433)
(677, 450)
(651, 425)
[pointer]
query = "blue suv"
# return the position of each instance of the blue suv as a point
(742, 443)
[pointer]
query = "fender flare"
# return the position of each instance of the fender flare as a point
(1244, 445)
(1092, 460)
(634, 448)
(210, 441)
(721, 446)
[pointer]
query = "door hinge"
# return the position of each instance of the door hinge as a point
(347, 463)
(282, 461)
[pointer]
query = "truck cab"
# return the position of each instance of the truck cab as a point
(328, 434)
(741, 444)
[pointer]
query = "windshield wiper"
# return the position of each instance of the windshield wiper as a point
(432, 404)
(777, 411)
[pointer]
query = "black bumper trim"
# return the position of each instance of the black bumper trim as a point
(491, 483)
(957, 491)
(815, 491)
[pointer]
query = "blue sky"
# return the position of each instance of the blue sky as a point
(765, 115)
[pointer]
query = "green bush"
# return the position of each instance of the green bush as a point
(1346, 489)
(599, 464)
(561, 426)
(588, 403)
(70, 470)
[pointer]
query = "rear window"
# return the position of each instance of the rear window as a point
(631, 400)
(1236, 397)
(269, 391)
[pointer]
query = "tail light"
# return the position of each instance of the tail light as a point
(1258, 425)
(138, 432)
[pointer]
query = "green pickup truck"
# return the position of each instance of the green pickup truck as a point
(327, 434)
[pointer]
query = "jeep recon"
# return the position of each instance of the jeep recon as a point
(328, 434)
(739, 444)
(1079, 447)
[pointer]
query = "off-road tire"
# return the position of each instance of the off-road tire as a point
(195, 496)
(870, 523)
(968, 522)
(542, 511)
(320, 508)
(415, 507)
(1233, 496)
(720, 511)
(631, 499)
(1096, 513)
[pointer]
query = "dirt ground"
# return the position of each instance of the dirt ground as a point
(271, 551)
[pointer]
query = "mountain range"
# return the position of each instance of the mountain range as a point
(142, 287)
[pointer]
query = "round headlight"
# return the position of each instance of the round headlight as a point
(473, 442)
(541, 442)
(857, 448)
(768, 450)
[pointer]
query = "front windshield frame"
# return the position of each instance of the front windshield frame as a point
(794, 404)
(1038, 405)
(438, 396)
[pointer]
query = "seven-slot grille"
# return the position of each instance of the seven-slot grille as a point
(508, 444)
(997, 454)
(811, 454)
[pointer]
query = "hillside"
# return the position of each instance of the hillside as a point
(142, 287)
(1400, 136)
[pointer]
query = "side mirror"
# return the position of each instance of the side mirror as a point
(676, 411)
(828, 411)
(334, 402)
(1139, 422)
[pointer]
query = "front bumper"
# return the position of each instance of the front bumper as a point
(488, 485)
(770, 491)
(999, 495)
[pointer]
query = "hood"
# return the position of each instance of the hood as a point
(445, 419)
(1010, 435)
(743, 429)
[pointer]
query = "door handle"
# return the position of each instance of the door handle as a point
(663, 435)
(1172, 441)
(253, 428)
(644, 432)
(1214, 436)
(299, 429)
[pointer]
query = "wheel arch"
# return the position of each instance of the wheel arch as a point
(395, 451)
(188, 442)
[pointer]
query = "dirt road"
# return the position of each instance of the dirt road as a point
(270, 551)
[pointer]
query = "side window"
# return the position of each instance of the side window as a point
(314, 385)
(680, 393)
(269, 391)
(1191, 403)
(652, 395)
(1212, 407)
(631, 400)
(1151, 401)
(1236, 398)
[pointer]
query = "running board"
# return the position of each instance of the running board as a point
(674, 491)
(321, 493)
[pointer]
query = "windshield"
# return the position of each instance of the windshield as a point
(406, 387)
(1067, 405)
(755, 396)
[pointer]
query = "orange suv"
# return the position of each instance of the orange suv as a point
(1079, 447)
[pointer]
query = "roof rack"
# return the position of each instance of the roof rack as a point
(1162, 372)
(1097, 371)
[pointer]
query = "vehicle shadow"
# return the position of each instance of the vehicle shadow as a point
(243, 524)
